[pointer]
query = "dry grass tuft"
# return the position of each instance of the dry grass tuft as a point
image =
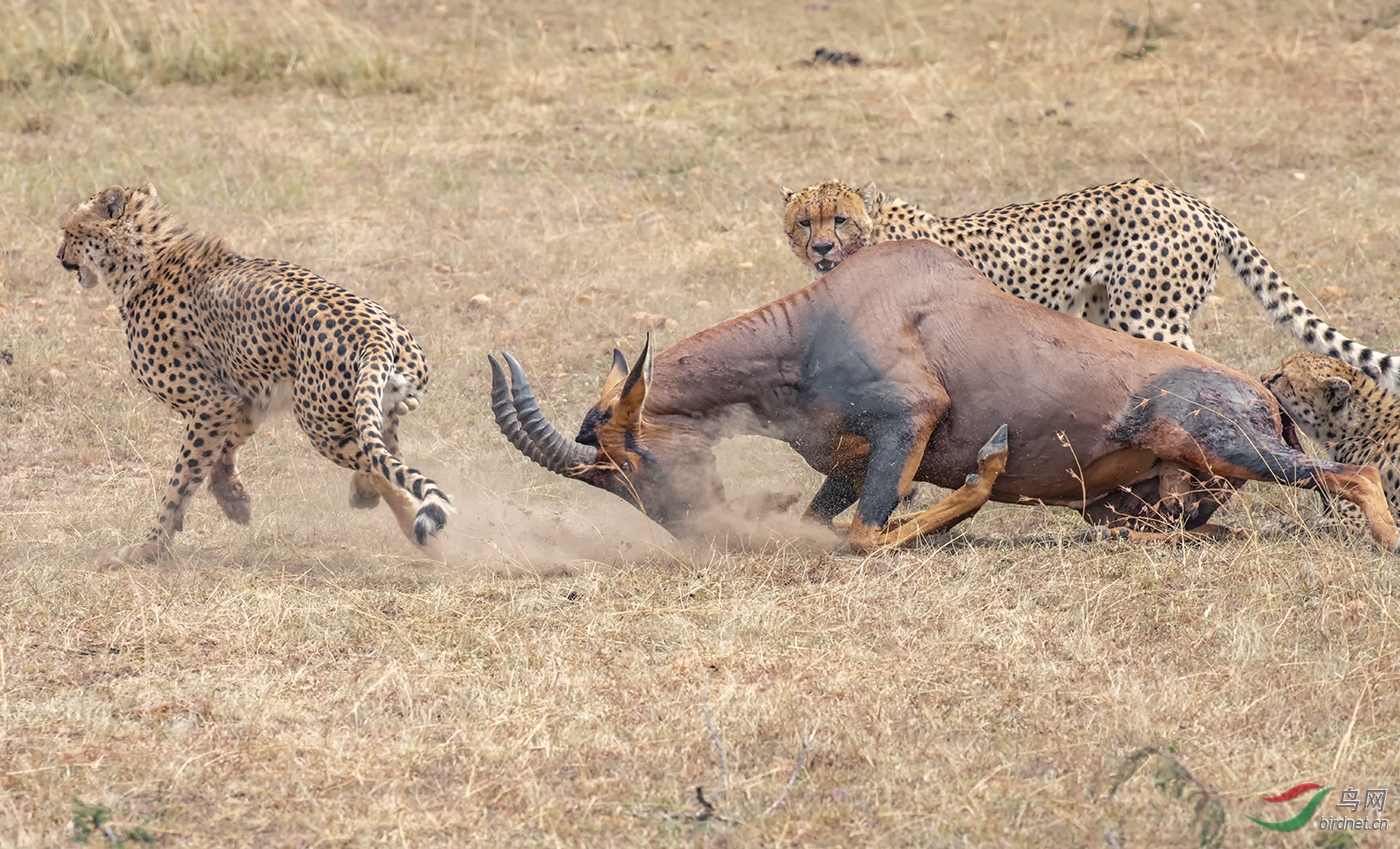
(128, 44)
(308, 681)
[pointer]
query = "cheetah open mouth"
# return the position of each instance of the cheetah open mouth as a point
(825, 265)
(85, 277)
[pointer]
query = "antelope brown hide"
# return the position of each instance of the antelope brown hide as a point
(897, 367)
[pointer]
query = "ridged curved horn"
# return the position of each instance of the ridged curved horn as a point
(520, 420)
(507, 420)
(569, 455)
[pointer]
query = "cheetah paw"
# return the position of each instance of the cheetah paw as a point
(362, 493)
(145, 552)
(234, 500)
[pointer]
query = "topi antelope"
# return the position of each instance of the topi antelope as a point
(896, 367)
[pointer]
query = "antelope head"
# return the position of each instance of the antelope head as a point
(664, 467)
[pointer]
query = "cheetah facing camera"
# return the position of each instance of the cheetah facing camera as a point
(1344, 411)
(220, 339)
(1131, 256)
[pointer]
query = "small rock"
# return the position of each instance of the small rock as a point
(479, 303)
(442, 268)
(822, 56)
(653, 321)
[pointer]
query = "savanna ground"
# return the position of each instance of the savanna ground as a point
(596, 169)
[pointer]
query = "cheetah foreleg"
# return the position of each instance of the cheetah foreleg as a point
(195, 458)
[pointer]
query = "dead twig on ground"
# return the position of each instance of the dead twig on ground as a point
(792, 779)
(714, 736)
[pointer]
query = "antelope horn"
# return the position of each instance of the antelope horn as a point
(506, 418)
(571, 455)
(519, 418)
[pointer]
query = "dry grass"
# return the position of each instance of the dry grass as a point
(131, 44)
(305, 682)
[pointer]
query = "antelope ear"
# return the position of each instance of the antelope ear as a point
(112, 201)
(869, 195)
(787, 193)
(616, 374)
(1337, 392)
(634, 391)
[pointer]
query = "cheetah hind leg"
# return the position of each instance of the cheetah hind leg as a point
(405, 509)
(363, 494)
(399, 500)
(225, 484)
(404, 505)
(364, 491)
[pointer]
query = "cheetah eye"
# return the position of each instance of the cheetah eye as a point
(805, 223)
(839, 220)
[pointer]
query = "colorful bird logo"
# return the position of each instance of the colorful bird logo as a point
(1300, 819)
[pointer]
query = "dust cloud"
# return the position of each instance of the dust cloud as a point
(529, 528)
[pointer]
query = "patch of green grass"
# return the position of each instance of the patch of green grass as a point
(91, 821)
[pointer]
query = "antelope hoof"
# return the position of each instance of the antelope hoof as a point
(996, 445)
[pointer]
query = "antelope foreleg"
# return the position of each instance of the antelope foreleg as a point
(960, 505)
(835, 495)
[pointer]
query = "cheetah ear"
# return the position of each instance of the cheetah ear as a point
(150, 191)
(112, 201)
(787, 193)
(1337, 392)
(869, 195)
